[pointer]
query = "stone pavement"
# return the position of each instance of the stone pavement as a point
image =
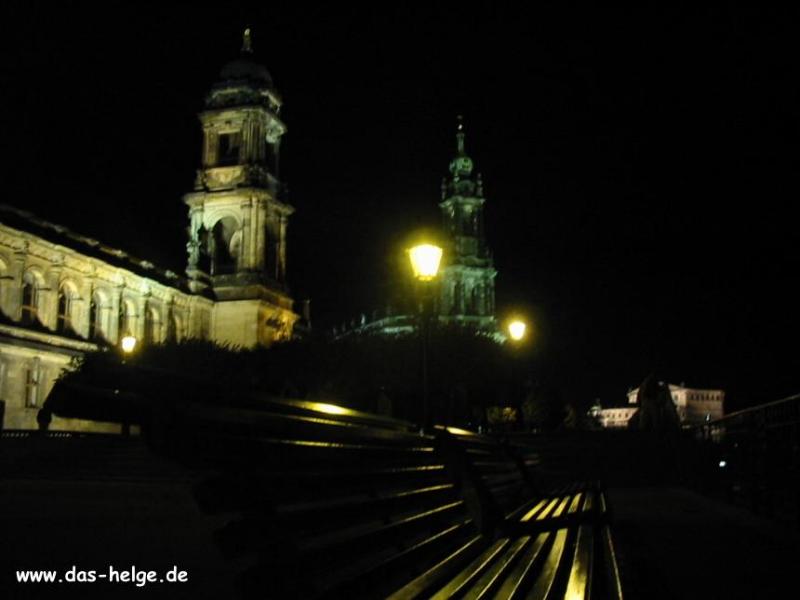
(675, 544)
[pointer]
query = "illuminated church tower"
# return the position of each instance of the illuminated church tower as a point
(467, 278)
(238, 219)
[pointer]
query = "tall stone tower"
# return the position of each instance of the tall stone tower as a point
(467, 280)
(238, 219)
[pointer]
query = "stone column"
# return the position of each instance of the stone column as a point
(245, 259)
(273, 243)
(82, 307)
(259, 225)
(282, 248)
(114, 335)
(49, 299)
(193, 245)
(141, 303)
(276, 154)
(209, 147)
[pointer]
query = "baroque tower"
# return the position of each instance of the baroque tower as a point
(237, 213)
(467, 280)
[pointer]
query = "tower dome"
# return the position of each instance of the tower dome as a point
(243, 80)
(245, 67)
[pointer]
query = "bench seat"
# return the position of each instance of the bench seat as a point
(324, 502)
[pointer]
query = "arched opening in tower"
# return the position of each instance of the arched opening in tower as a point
(224, 246)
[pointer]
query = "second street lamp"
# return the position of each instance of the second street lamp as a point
(516, 330)
(425, 261)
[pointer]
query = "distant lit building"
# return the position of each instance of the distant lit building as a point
(694, 406)
(614, 417)
(63, 294)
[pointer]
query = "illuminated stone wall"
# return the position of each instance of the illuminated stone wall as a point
(58, 302)
(63, 294)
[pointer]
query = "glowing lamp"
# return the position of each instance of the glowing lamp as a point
(516, 330)
(425, 260)
(128, 344)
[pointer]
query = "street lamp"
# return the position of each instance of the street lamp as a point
(128, 344)
(516, 329)
(425, 260)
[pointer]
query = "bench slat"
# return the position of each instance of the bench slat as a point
(546, 579)
(492, 576)
(529, 563)
(472, 572)
(440, 572)
(580, 577)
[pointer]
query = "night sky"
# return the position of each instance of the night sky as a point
(640, 168)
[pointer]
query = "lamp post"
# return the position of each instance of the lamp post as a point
(517, 332)
(425, 260)
(128, 345)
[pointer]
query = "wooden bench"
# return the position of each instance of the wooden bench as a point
(545, 544)
(327, 502)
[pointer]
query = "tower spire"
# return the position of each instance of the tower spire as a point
(247, 41)
(467, 289)
(461, 165)
(460, 135)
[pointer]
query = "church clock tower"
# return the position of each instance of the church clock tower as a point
(237, 213)
(467, 290)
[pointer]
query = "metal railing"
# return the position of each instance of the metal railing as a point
(756, 452)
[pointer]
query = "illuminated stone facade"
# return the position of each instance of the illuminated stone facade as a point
(467, 276)
(694, 406)
(237, 230)
(63, 294)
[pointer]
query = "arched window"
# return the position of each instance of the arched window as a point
(173, 333)
(473, 301)
(30, 298)
(64, 316)
(125, 319)
(228, 148)
(458, 304)
(151, 323)
(94, 318)
(224, 246)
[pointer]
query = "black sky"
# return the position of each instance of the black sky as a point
(640, 167)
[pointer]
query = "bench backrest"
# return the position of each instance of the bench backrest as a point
(326, 502)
